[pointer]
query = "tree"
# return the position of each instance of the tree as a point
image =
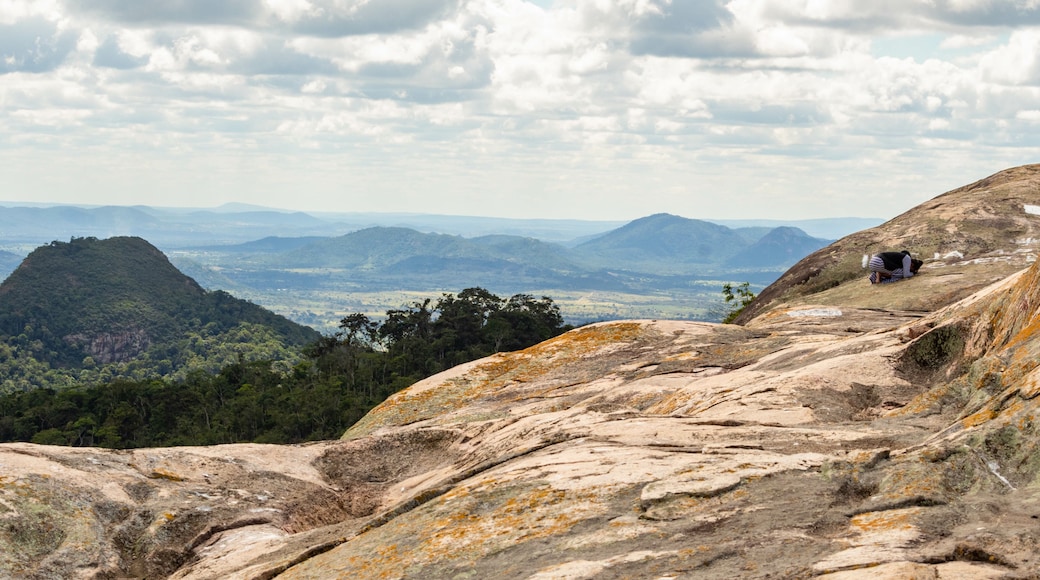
(741, 296)
(406, 334)
(525, 321)
(458, 331)
(359, 330)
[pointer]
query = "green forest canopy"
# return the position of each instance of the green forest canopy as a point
(335, 382)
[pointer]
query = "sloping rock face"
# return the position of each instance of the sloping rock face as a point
(968, 238)
(816, 441)
(859, 432)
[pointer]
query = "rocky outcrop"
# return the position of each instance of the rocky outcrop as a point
(838, 441)
(110, 347)
(969, 238)
(818, 441)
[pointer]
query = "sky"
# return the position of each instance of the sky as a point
(577, 109)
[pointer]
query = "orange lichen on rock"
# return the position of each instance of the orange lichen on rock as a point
(457, 528)
(1027, 333)
(1015, 318)
(442, 394)
(919, 480)
(671, 404)
(160, 473)
(885, 521)
(978, 418)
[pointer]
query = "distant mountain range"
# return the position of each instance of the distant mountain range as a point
(32, 225)
(649, 254)
(303, 264)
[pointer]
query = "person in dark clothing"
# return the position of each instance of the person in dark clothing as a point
(893, 267)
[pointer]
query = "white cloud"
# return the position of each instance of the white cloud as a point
(314, 87)
(565, 109)
(1015, 63)
(957, 41)
(87, 42)
(289, 10)
(781, 41)
(134, 42)
(12, 11)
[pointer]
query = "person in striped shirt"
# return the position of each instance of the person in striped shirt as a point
(892, 267)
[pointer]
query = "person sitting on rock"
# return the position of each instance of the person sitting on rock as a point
(892, 267)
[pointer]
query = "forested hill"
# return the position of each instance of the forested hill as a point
(94, 302)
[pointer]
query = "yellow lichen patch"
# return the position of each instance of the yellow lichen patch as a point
(1031, 323)
(495, 373)
(1016, 317)
(978, 418)
(671, 404)
(160, 473)
(457, 528)
(921, 480)
(541, 359)
(593, 336)
(645, 400)
(885, 521)
(1024, 359)
(538, 513)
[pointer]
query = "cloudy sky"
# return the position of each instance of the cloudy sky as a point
(595, 109)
